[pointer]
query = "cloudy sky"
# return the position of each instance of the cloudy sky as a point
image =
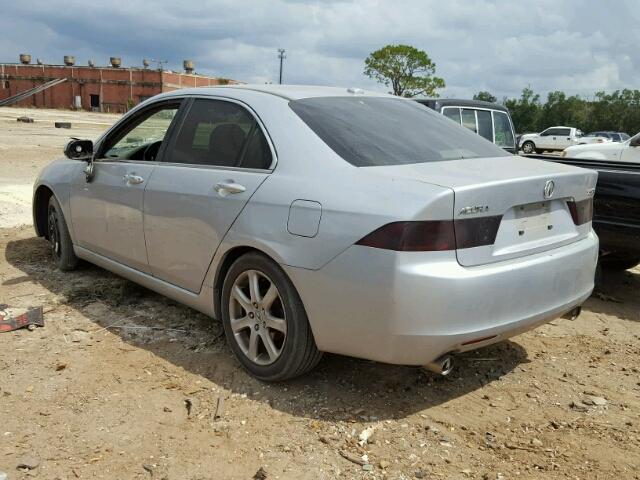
(500, 46)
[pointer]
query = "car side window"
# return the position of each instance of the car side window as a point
(453, 113)
(485, 125)
(141, 139)
(546, 132)
(564, 132)
(469, 119)
(504, 133)
(221, 134)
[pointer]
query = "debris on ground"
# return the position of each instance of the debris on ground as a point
(28, 462)
(352, 458)
(219, 409)
(365, 435)
(607, 298)
(16, 318)
(62, 124)
(25, 119)
(261, 474)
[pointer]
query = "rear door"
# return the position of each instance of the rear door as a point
(562, 138)
(218, 158)
(107, 208)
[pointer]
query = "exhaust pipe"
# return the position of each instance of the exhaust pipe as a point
(442, 365)
(572, 314)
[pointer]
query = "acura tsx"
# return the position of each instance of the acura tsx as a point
(317, 219)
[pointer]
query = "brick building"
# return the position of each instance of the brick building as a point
(99, 88)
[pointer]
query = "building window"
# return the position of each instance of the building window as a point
(94, 100)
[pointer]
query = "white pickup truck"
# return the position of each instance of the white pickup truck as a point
(553, 138)
(628, 151)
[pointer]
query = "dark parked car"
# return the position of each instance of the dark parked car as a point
(490, 120)
(616, 216)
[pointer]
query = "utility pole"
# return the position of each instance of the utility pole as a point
(281, 56)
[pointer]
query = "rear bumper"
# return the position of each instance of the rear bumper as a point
(411, 307)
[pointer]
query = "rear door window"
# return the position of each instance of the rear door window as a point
(485, 124)
(563, 132)
(221, 134)
(503, 131)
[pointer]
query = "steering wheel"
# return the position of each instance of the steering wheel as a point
(151, 151)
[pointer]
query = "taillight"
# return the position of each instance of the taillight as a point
(477, 232)
(412, 236)
(581, 211)
(436, 235)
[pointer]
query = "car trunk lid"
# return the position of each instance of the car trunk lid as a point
(508, 206)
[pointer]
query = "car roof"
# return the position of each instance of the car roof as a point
(437, 103)
(288, 92)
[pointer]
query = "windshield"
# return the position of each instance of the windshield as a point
(373, 131)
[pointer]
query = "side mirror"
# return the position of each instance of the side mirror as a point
(78, 149)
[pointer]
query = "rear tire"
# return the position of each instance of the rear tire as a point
(528, 147)
(58, 235)
(617, 264)
(265, 321)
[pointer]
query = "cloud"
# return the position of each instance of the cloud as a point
(500, 46)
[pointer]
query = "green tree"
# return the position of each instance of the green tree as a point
(485, 97)
(525, 111)
(406, 69)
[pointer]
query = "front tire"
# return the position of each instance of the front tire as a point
(528, 147)
(265, 321)
(59, 238)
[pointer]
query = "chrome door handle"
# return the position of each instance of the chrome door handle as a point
(132, 179)
(229, 186)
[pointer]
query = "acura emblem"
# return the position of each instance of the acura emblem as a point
(548, 188)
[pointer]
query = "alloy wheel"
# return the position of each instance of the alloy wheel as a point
(257, 317)
(54, 232)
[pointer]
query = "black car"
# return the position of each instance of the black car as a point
(490, 120)
(616, 216)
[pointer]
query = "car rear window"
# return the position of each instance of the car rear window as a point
(374, 131)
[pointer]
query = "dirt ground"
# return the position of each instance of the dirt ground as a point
(122, 383)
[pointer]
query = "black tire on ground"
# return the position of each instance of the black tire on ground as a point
(58, 234)
(618, 264)
(299, 353)
(539, 151)
(529, 147)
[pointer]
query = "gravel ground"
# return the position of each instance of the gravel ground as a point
(123, 383)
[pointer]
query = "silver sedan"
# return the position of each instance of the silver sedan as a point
(313, 219)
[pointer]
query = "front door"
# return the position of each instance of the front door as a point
(545, 140)
(107, 208)
(211, 167)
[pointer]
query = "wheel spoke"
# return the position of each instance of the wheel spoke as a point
(269, 297)
(272, 351)
(252, 353)
(238, 324)
(276, 323)
(254, 289)
(241, 298)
